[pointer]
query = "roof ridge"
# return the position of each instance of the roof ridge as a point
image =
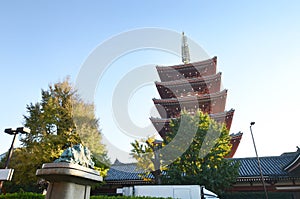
(124, 164)
(262, 157)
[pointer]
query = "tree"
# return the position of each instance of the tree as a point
(201, 145)
(59, 121)
(146, 152)
(87, 125)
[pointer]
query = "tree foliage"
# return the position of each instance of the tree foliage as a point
(202, 145)
(146, 152)
(87, 126)
(142, 151)
(59, 121)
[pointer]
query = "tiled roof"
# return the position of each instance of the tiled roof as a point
(194, 64)
(213, 115)
(294, 164)
(272, 166)
(205, 80)
(191, 98)
(124, 171)
(236, 135)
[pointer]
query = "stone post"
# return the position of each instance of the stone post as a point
(68, 181)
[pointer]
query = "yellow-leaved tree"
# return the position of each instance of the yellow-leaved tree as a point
(60, 120)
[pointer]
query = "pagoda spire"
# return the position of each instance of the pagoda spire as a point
(185, 53)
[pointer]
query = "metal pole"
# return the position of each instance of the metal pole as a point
(11, 149)
(157, 167)
(10, 152)
(258, 162)
(157, 144)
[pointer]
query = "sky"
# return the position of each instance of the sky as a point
(257, 44)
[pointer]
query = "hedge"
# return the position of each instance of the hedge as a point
(257, 195)
(26, 195)
(122, 197)
(40, 196)
(241, 195)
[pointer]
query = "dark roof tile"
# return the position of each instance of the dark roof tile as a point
(271, 166)
(124, 171)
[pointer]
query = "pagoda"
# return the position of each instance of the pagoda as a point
(191, 87)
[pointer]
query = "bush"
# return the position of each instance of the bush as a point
(29, 195)
(257, 195)
(123, 197)
(26, 195)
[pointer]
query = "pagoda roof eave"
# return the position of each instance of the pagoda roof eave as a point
(222, 114)
(199, 63)
(191, 98)
(213, 115)
(205, 79)
(237, 136)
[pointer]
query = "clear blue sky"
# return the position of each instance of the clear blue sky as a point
(257, 44)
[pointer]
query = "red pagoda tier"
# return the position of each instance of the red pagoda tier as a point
(190, 70)
(208, 103)
(162, 125)
(235, 141)
(191, 87)
(185, 87)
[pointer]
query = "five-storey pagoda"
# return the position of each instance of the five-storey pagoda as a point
(190, 87)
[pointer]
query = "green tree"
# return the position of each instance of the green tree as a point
(146, 152)
(87, 125)
(59, 121)
(202, 145)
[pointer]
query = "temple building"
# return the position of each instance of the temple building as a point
(191, 87)
(197, 86)
(281, 174)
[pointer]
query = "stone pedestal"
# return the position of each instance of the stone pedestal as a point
(68, 181)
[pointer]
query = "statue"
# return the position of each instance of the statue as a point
(77, 154)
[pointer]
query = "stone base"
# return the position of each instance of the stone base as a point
(68, 181)
(66, 190)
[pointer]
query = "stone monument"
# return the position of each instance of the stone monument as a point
(70, 176)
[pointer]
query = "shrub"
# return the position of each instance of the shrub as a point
(123, 197)
(26, 195)
(257, 195)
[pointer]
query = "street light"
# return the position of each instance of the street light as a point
(22, 130)
(157, 145)
(15, 132)
(258, 161)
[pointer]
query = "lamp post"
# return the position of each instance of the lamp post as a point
(258, 161)
(15, 132)
(157, 144)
